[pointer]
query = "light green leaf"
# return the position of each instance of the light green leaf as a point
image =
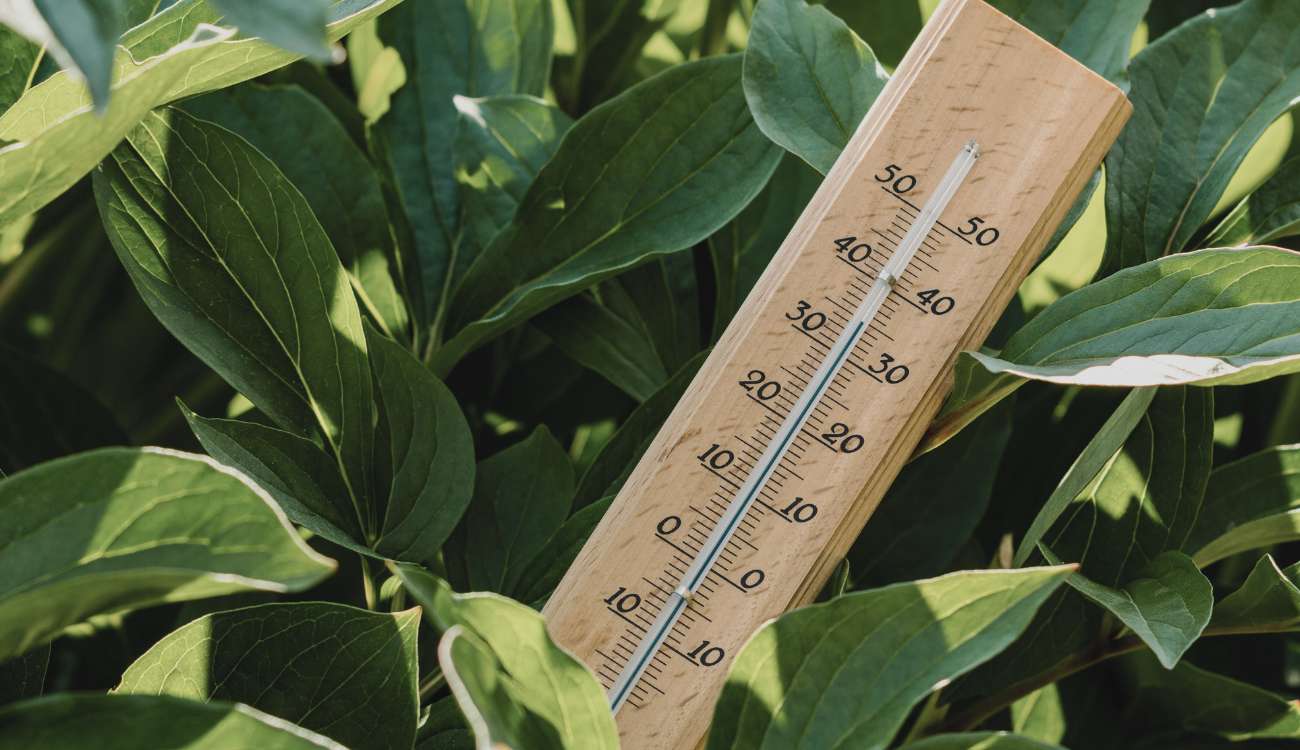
(511, 680)
(229, 257)
(57, 138)
(377, 71)
(595, 337)
(1270, 213)
(543, 573)
(1202, 95)
(1167, 604)
(469, 48)
(429, 455)
(129, 722)
(1041, 715)
(980, 741)
(24, 676)
(1097, 33)
(501, 144)
(294, 130)
(521, 499)
(624, 187)
(1250, 503)
(18, 60)
(1101, 450)
(809, 79)
(1220, 316)
(1268, 601)
(80, 34)
(119, 528)
(295, 25)
(344, 672)
(847, 673)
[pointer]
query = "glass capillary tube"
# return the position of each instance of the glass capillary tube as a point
(889, 275)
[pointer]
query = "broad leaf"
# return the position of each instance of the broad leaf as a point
(512, 682)
(346, 673)
(1221, 316)
(24, 676)
(1267, 602)
(980, 741)
(848, 672)
(430, 455)
(597, 338)
(468, 48)
(296, 25)
(809, 79)
(229, 257)
(1167, 604)
(294, 130)
(1250, 503)
(521, 498)
(1192, 699)
(80, 34)
(129, 722)
(118, 529)
(1202, 95)
(45, 415)
(543, 573)
(1269, 213)
(1097, 33)
(610, 39)
(625, 186)
(18, 60)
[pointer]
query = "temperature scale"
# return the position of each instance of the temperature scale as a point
(819, 390)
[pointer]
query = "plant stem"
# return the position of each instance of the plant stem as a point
(431, 684)
(368, 584)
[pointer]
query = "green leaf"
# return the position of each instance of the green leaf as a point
(1097, 455)
(615, 461)
(624, 187)
(1250, 503)
(1267, 602)
(80, 34)
(609, 40)
(128, 722)
(24, 676)
(809, 79)
(344, 672)
(45, 415)
(543, 573)
(933, 507)
(469, 48)
(1219, 316)
(118, 529)
(980, 741)
(1202, 95)
(18, 60)
(295, 25)
(1097, 33)
(595, 337)
(512, 682)
(293, 129)
(1167, 604)
(501, 144)
(58, 138)
(229, 257)
(430, 455)
(1269, 213)
(521, 499)
(847, 673)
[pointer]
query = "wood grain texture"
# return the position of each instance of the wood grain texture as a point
(1043, 123)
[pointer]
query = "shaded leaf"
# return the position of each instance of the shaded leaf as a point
(1202, 95)
(469, 48)
(18, 60)
(1269, 213)
(809, 79)
(1250, 503)
(595, 337)
(119, 528)
(80, 34)
(1267, 602)
(24, 676)
(1097, 33)
(609, 39)
(543, 573)
(294, 130)
(863, 660)
(512, 682)
(980, 741)
(344, 672)
(296, 25)
(623, 188)
(126, 722)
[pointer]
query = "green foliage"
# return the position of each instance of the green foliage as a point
(427, 311)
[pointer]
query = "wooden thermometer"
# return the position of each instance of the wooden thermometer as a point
(824, 382)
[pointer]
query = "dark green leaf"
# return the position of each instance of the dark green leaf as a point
(344, 672)
(847, 673)
(294, 130)
(887, 26)
(131, 722)
(543, 573)
(228, 255)
(1269, 213)
(595, 337)
(610, 38)
(980, 741)
(1097, 33)
(1268, 601)
(24, 676)
(624, 187)
(119, 528)
(512, 682)
(809, 79)
(468, 48)
(296, 25)
(1202, 95)
(1250, 503)
(18, 59)
(81, 35)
